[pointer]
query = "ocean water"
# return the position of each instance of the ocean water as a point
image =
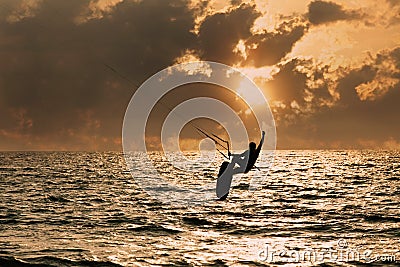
(322, 208)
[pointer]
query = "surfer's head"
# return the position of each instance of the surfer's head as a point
(252, 146)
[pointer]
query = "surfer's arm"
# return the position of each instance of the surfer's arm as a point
(262, 140)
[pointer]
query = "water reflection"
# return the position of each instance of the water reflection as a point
(58, 208)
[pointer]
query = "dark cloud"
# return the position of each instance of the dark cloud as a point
(289, 84)
(393, 2)
(346, 121)
(53, 68)
(220, 33)
(359, 121)
(320, 12)
(297, 90)
(395, 56)
(53, 72)
(347, 85)
(272, 47)
(395, 19)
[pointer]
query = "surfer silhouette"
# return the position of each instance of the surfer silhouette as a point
(240, 163)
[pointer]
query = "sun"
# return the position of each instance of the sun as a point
(244, 91)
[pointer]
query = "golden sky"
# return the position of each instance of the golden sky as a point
(330, 69)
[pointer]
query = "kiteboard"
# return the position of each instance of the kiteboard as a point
(224, 181)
